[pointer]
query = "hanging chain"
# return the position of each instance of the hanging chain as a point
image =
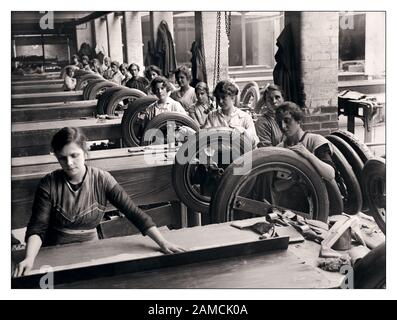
(228, 23)
(217, 49)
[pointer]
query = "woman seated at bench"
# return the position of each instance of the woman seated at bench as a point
(70, 202)
(69, 83)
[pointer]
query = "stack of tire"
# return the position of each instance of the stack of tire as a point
(361, 166)
(361, 186)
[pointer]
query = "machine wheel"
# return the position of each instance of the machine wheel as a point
(230, 203)
(83, 81)
(335, 198)
(98, 89)
(160, 122)
(123, 97)
(200, 163)
(361, 148)
(104, 99)
(374, 182)
(250, 95)
(348, 184)
(131, 128)
(353, 159)
(88, 88)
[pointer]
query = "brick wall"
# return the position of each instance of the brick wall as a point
(319, 68)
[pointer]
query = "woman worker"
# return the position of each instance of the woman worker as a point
(313, 147)
(199, 111)
(228, 115)
(267, 129)
(70, 202)
(185, 94)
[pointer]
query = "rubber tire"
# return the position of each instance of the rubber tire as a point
(251, 88)
(375, 168)
(353, 159)
(88, 88)
(262, 158)
(370, 271)
(117, 96)
(104, 99)
(334, 197)
(86, 78)
(129, 118)
(180, 178)
(354, 200)
(99, 86)
(361, 148)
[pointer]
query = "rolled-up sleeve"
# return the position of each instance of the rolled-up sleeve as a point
(41, 211)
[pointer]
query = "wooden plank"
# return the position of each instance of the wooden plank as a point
(145, 182)
(136, 253)
(273, 270)
(37, 88)
(55, 104)
(36, 82)
(34, 138)
(46, 97)
(57, 112)
(34, 76)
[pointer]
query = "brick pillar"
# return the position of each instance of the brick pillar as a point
(101, 35)
(375, 38)
(206, 28)
(133, 35)
(114, 37)
(84, 33)
(319, 53)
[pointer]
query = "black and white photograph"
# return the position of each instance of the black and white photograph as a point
(198, 149)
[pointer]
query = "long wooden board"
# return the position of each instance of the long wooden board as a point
(46, 97)
(126, 255)
(146, 176)
(34, 76)
(55, 111)
(34, 138)
(37, 88)
(36, 82)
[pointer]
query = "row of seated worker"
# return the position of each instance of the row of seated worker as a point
(218, 109)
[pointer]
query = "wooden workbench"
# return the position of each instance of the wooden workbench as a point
(146, 183)
(30, 98)
(37, 88)
(34, 138)
(36, 76)
(53, 111)
(16, 83)
(135, 262)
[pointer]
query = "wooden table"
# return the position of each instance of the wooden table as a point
(53, 111)
(145, 181)
(211, 262)
(30, 98)
(36, 76)
(37, 88)
(34, 138)
(16, 83)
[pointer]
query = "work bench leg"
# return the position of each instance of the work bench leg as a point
(350, 124)
(183, 215)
